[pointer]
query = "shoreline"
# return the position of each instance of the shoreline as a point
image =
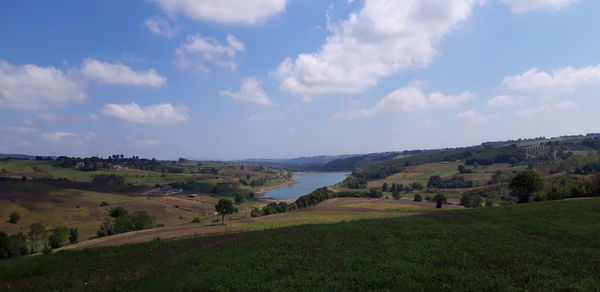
(264, 190)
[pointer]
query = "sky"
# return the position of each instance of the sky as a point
(227, 79)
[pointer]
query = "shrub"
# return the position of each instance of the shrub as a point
(117, 212)
(470, 200)
(14, 217)
(59, 236)
(418, 198)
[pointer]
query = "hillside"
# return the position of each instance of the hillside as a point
(542, 246)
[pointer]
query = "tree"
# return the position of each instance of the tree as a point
(59, 236)
(439, 200)
(38, 236)
(396, 194)
(73, 235)
(418, 198)
(239, 198)
(470, 200)
(14, 217)
(384, 188)
(224, 207)
(489, 203)
(117, 212)
(525, 183)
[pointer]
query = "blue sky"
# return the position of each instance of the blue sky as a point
(285, 78)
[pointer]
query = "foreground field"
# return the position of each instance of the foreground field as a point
(543, 246)
(331, 211)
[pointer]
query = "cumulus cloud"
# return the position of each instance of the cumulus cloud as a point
(197, 51)
(224, 11)
(161, 27)
(561, 80)
(152, 114)
(518, 6)
(120, 74)
(408, 99)
(31, 87)
(547, 108)
(384, 37)
(251, 91)
(94, 117)
(506, 100)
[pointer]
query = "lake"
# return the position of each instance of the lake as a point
(307, 182)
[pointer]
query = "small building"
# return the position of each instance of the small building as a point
(79, 165)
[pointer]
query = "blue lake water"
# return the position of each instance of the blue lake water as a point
(307, 182)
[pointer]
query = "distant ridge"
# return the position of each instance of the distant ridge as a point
(17, 156)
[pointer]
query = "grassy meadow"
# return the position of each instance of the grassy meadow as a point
(553, 245)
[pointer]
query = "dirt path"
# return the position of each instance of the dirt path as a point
(151, 234)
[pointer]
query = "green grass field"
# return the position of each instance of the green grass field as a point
(547, 246)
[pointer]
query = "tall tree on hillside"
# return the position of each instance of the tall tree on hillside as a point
(384, 188)
(440, 200)
(525, 183)
(224, 207)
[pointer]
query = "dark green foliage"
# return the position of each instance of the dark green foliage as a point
(455, 182)
(525, 183)
(37, 236)
(196, 220)
(103, 204)
(375, 193)
(59, 236)
(224, 207)
(239, 198)
(195, 186)
(117, 212)
(13, 245)
(396, 194)
(439, 200)
(73, 235)
(355, 183)
(489, 203)
(256, 212)
(549, 246)
(418, 198)
(384, 187)
(110, 179)
(257, 182)
(470, 200)
(47, 250)
(125, 222)
(226, 188)
(14, 217)
(416, 185)
(275, 208)
(463, 169)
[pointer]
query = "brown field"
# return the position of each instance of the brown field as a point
(330, 211)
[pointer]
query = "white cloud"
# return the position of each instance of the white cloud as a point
(94, 117)
(224, 11)
(547, 108)
(251, 91)
(120, 74)
(60, 136)
(561, 80)
(517, 6)
(408, 99)
(475, 117)
(506, 100)
(161, 27)
(384, 37)
(146, 143)
(30, 87)
(19, 129)
(153, 114)
(198, 50)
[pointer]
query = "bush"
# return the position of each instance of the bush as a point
(439, 200)
(418, 198)
(117, 212)
(14, 217)
(525, 183)
(59, 236)
(47, 250)
(111, 179)
(124, 222)
(470, 200)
